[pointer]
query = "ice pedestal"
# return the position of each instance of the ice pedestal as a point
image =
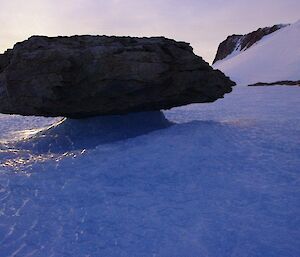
(74, 134)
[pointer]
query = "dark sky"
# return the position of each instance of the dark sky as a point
(202, 23)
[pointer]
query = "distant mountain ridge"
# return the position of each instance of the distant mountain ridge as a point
(238, 43)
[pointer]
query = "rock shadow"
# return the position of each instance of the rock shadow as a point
(87, 133)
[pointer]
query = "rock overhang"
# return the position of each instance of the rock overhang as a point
(82, 76)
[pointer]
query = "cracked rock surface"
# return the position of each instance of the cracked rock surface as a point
(82, 76)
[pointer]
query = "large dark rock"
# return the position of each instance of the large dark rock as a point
(83, 76)
(243, 42)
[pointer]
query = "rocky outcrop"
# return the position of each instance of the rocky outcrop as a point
(82, 76)
(280, 83)
(243, 42)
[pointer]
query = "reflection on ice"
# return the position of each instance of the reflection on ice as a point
(71, 137)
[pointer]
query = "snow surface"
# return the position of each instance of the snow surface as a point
(275, 57)
(218, 179)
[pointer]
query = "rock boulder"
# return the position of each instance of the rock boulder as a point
(82, 76)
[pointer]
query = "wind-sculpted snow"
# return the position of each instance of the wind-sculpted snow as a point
(222, 180)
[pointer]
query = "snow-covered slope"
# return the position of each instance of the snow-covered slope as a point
(234, 44)
(275, 57)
